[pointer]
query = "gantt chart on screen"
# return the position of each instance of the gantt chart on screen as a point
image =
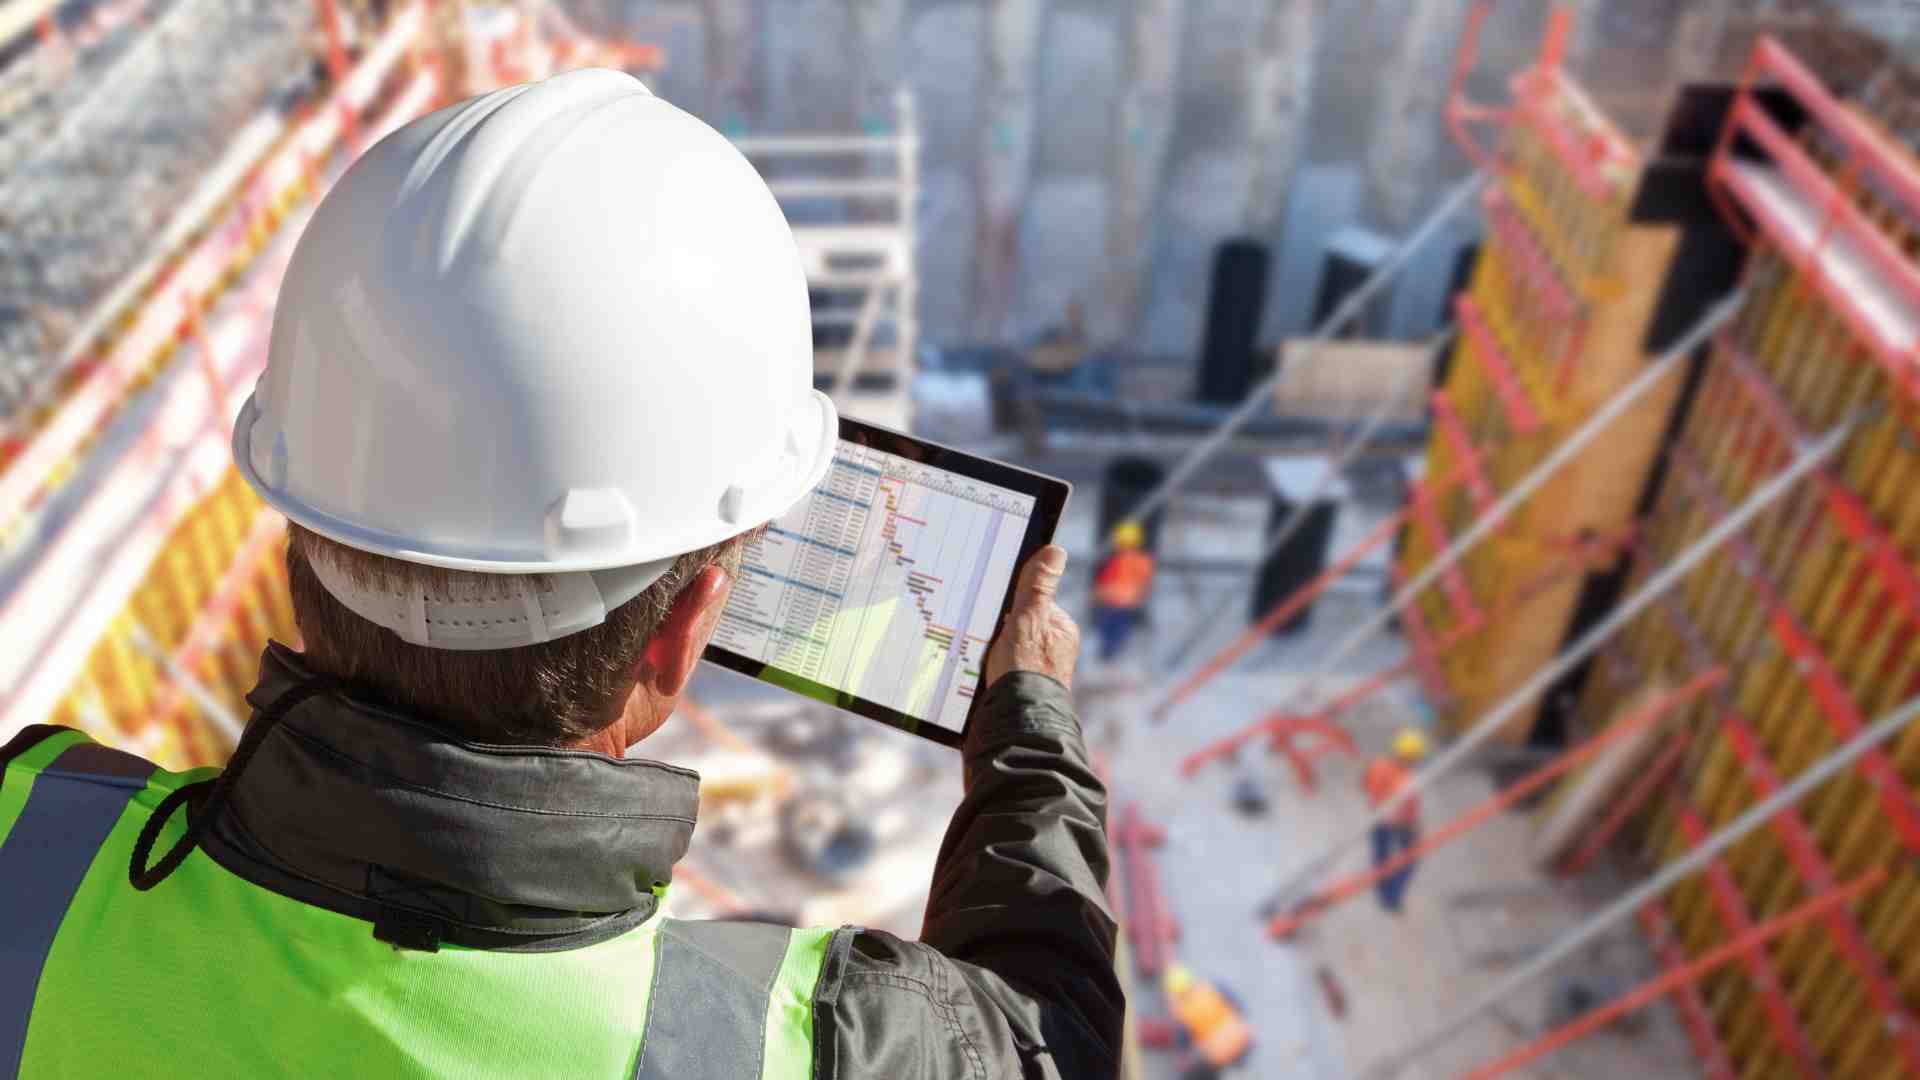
(885, 582)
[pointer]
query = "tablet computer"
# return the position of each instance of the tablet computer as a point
(879, 591)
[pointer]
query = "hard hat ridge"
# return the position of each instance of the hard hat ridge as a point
(560, 328)
(497, 146)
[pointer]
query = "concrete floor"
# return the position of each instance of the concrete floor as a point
(1474, 906)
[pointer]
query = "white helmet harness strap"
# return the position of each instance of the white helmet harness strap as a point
(493, 611)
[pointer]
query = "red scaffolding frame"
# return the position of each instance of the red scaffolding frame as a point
(1831, 215)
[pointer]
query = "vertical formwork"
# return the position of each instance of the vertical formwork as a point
(1814, 610)
(141, 608)
(1551, 328)
(170, 675)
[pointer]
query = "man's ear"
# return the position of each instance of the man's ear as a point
(668, 661)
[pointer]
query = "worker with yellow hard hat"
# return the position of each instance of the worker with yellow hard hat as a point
(1120, 588)
(1384, 778)
(1211, 1021)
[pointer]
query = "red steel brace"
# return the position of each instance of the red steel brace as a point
(1847, 508)
(1576, 556)
(1892, 165)
(1843, 716)
(1580, 156)
(1685, 974)
(1283, 730)
(1380, 534)
(1353, 884)
(1460, 111)
(1732, 908)
(1506, 383)
(1803, 850)
(1652, 779)
(1420, 660)
(1453, 581)
(1562, 312)
(1452, 429)
(1514, 235)
(1424, 649)
(337, 71)
(1693, 1009)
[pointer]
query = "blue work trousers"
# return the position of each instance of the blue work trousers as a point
(1114, 625)
(1390, 840)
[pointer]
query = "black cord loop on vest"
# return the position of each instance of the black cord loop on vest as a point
(205, 798)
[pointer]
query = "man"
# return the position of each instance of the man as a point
(540, 368)
(1384, 777)
(1120, 589)
(1210, 1020)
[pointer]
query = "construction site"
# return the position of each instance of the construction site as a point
(1514, 402)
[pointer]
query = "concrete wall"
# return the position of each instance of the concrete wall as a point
(1101, 149)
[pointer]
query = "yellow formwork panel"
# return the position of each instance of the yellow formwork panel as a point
(1802, 564)
(168, 678)
(1561, 295)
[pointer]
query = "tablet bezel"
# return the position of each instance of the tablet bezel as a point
(1050, 502)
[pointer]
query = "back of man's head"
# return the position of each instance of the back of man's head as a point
(554, 693)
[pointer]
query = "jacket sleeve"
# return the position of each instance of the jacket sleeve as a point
(1014, 973)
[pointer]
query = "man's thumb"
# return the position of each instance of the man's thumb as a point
(1040, 578)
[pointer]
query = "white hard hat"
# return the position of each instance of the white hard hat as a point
(558, 329)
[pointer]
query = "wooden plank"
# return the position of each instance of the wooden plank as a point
(1350, 378)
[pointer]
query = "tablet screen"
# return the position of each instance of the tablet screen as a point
(884, 584)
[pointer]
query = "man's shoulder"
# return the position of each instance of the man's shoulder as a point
(63, 751)
(55, 752)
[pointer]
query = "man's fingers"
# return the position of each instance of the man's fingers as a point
(1040, 578)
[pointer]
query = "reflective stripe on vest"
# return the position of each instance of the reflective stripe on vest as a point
(60, 799)
(212, 975)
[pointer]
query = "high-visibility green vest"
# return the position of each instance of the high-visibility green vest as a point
(216, 976)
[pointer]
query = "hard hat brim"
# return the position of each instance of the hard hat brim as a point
(816, 436)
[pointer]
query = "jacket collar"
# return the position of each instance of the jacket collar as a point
(364, 810)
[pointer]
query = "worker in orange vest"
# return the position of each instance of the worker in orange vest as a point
(1120, 588)
(1210, 1020)
(1384, 778)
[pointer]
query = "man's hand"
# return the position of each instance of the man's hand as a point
(1037, 635)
